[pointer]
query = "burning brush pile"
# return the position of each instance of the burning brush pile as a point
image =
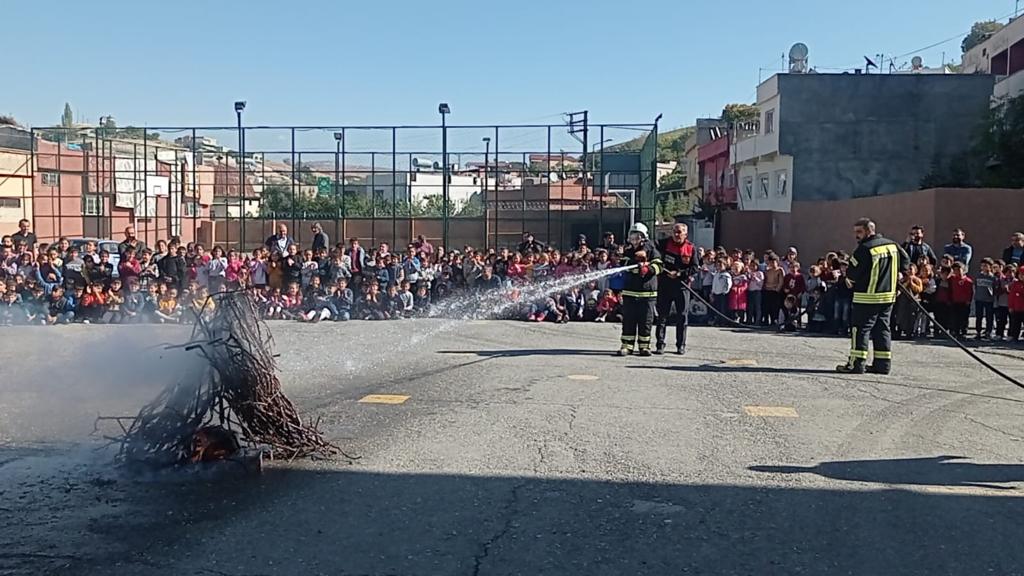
(233, 408)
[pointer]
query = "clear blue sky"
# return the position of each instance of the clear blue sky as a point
(380, 62)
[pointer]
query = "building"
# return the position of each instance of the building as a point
(840, 136)
(705, 130)
(15, 177)
(1003, 56)
(415, 186)
(716, 173)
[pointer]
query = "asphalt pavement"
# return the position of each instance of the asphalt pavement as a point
(485, 448)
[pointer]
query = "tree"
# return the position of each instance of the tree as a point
(675, 180)
(7, 120)
(740, 113)
(67, 119)
(1001, 146)
(980, 32)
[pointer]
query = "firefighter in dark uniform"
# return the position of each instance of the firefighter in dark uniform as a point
(640, 293)
(874, 274)
(680, 261)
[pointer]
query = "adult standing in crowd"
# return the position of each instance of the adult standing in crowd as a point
(530, 244)
(357, 260)
(960, 251)
(680, 262)
(130, 241)
(320, 239)
(608, 242)
(873, 273)
(421, 245)
(280, 242)
(915, 246)
(1014, 253)
(25, 234)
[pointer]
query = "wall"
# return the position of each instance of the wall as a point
(558, 228)
(780, 193)
(867, 135)
(989, 216)
(15, 183)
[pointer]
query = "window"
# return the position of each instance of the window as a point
(378, 195)
(92, 205)
(765, 184)
(51, 179)
(190, 209)
(748, 187)
(769, 122)
(780, 183)
(10, 202)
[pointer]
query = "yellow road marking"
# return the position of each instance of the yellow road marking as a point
(582, 377)
(771, 411)
(740, 362)
(383, 399)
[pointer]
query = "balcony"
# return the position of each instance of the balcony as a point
(1008, 86)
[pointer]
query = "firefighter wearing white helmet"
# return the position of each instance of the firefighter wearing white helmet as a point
(640, 293)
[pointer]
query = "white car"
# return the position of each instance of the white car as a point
(101, 245)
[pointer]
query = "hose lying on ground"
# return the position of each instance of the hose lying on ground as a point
(938, 325)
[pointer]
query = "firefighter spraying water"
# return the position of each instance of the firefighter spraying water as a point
(640, 293)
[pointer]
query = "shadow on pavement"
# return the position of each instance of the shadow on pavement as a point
(933, 471)
(351, 522)
(516, 353)
(739, 369)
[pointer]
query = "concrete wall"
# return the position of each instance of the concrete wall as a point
(779, 173)
(16, 188)
(866, 135)
(988, 215)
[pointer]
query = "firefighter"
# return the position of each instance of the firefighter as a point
(874, 273)
(680, 262)
(640, 294)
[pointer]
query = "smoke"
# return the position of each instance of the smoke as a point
(57, 380)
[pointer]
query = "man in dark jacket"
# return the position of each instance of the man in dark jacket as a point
(873, 273)
(175, 267)
(1014, 253)
(320, 239)
(640, 294)
(680, 262)
(529, 244)
(281, 241)
(915, 246)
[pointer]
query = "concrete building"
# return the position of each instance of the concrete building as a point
(15, 177)
(1003, 56)
(716, 173)
(840, 136)
(415, 186)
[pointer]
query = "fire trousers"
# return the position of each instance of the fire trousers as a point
(637, 321)
(871, 321)
(670, 292)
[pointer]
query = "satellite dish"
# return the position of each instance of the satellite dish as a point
(798, 58)
(916, 63)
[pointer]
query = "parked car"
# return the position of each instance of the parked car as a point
(101, 244)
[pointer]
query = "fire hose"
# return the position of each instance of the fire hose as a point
(916, 302)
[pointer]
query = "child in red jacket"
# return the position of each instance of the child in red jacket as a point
(961, 292)
(1015, 301)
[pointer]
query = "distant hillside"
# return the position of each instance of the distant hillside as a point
(670, 144)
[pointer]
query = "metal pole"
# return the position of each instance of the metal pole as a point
(394, 199)
(60, 193)
(487, 161)
(195, 192)
(145, 184)
(522, 189)
(561, 213)
(373, 198)
(343, 229)
(241, 179)
(497, 175)
(337, 161)
(293, 179)
(32, 174)
(97, 157)
(444, 181)
(583, 164)
(604, 192)
(547, 192)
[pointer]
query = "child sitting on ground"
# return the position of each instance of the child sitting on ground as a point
(343, 301)
(789, 318)
(275, 305)
(169, 311)
(421, 301)
(608, 307)
(292, 302)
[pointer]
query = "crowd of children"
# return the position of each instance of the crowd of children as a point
(63, 283)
